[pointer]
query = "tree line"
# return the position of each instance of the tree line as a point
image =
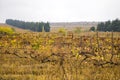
(109, 26)
(33, 26)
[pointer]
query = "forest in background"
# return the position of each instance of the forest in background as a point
(33, 26)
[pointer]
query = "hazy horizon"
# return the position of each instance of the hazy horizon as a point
(59, 10)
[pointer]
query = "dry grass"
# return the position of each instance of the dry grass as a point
(14, 67)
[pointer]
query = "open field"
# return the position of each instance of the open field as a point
(55, 56)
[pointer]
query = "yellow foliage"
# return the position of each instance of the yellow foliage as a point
(6, 30)
(63, 31)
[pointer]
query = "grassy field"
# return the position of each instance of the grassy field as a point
(14, 68)
(60, 56)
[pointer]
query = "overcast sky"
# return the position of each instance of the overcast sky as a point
(59, 10)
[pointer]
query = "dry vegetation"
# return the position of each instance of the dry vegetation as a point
(59, 56)
(18, 30)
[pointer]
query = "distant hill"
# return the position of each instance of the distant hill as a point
(19, 30)
(72, 25)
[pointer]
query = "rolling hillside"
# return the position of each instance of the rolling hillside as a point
(19, 30)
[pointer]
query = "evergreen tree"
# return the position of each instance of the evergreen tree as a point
(47, 27)
(107, 26)
(100, 26)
